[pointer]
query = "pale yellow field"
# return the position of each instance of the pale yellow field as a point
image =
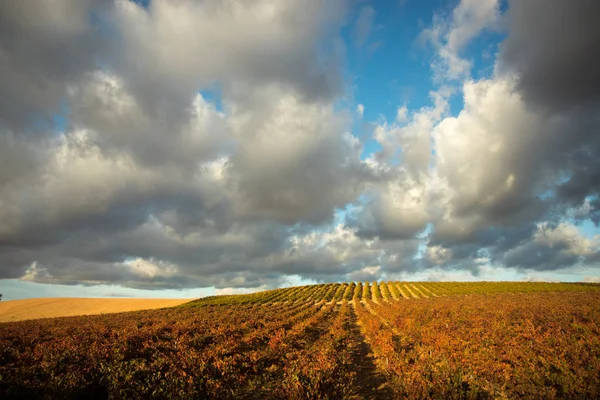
(17, 310)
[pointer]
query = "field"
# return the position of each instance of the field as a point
(18, 310)
(330, 341)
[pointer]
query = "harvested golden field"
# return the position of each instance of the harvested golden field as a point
(19, 310)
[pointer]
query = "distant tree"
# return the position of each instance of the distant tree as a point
(0, 296)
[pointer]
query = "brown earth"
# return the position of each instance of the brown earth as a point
(18, 310)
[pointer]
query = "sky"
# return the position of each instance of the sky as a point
(183, 148)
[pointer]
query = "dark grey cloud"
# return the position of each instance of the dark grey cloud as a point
(554, 48)
(245, 256)
(43, 48)
(553, 246)
(583, 165)
(540, 257)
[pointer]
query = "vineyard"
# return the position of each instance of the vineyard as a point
(332, 341)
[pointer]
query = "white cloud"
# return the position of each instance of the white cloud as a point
(438, 255)
(370, 273)
(568, 238)
(400, 210)
(150, 268)
(36, 273)
(402, 114)
(450, 37)
(412, 137)
(360, 109)
(481, 153)
(235, 290)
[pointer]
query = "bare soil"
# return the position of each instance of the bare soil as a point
(371, 383)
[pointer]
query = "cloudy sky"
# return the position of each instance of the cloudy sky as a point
(178, 148)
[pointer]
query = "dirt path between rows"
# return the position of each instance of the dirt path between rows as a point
(371, 383)
(18, 310)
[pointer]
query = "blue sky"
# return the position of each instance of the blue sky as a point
(184, 149)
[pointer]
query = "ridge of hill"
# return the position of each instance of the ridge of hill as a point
(327, 292)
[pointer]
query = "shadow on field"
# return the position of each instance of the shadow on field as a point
(371, 383)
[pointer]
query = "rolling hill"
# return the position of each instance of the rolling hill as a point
(18, 310)
(366, 340)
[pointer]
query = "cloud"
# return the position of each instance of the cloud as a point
(236, 42)
(219, 152)
(469, 18)
(402, 114)
(36, 273)
(243, 257)
(555, 75)
(341, 252)
(409, 140)
(148, 184)
(481, 154)
(295, 161)
(118, 122)
(450, 36)
(370, 273)
(553, 247)
(363, 25)
(44, 48)
(498, 164)
(360, 109)
(400, 203)
(502, 166)
(554, 49)
(231, 290)
(399, 210)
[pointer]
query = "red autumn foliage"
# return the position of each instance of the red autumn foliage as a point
(441, 341)
(543, 345)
